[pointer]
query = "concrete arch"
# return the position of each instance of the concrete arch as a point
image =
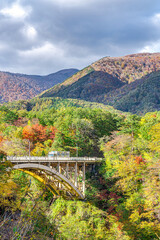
(61, 178)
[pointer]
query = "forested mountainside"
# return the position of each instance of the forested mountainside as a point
(129, 68)
(90, 86)
(14, 86)
(122, 195)
(36, 104)
(112, 81)
(141, 96)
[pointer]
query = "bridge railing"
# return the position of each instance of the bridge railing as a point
(50, 159)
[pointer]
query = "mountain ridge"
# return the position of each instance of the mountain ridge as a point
(16, 86)
(129, 70)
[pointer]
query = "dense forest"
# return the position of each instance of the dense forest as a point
(122, 200)
(15, 86)
(130, 83)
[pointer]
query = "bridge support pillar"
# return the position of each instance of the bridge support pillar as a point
(60, 171)
(75, 176)
(67, 168)
(83, 182)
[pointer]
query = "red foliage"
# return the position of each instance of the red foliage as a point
(114, 196)
(28, 133)
(1, 138)
(103, 195)
(38, 133)
(139, 159)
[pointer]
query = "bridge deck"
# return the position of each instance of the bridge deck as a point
(31, 159)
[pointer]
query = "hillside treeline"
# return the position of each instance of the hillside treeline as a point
(122, 199)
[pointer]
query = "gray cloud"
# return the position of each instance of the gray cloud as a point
(44, 36)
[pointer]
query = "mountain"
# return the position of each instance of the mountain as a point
(15, 86)
(138, 97)
(117, 81)
(89, 86)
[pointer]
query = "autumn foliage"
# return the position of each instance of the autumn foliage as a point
(139, 159)
(38, 133)
(122, 193)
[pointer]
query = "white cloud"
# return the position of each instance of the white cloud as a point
(29, 32)
(156, 19)
(16, 11)
(48, 35)
(47, 50)
(152, 47)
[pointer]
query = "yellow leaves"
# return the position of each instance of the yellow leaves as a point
(148, 215)
(2, 126)
(148, 156)
(143, 121)
(146, 225)
(7, 191)
(130, 173)
(134, 161)
(15, 146)
(135, 216)
(7, 188)
(39, 150)
(155, 133)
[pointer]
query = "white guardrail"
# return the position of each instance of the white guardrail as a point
(50, 159)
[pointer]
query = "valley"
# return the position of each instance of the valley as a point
(108, 112)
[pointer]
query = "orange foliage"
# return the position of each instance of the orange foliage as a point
(28, 133)
(139, 159)
(38, 133)
(1, 138)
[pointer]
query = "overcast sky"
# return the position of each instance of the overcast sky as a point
(44, 36)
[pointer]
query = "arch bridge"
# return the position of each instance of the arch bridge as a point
(63, 176)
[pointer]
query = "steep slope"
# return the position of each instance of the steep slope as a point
(141, 97)
(19, 86)
(127, 69)
(129, 83)
(89, 87)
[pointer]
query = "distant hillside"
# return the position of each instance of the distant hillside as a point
(129, 68)
(41, 104)
(141, 96)
(110, 79)
(14, 86)
(89, 87)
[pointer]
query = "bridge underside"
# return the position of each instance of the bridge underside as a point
(55, 181)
